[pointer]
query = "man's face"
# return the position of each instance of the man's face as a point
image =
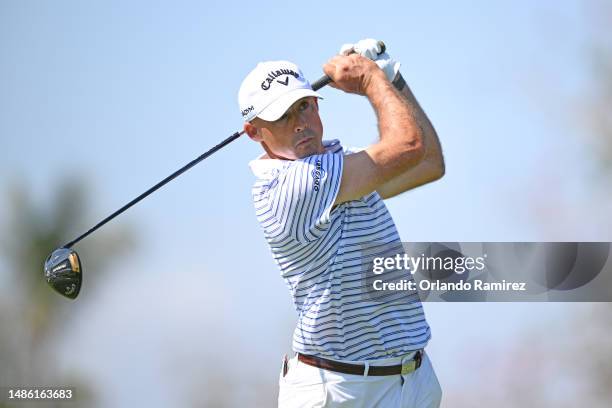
(296, 134)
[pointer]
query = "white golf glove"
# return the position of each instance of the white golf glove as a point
(370, 48)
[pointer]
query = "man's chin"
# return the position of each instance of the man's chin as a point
(310, 151)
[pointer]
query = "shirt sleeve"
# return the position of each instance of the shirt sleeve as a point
(302, 199)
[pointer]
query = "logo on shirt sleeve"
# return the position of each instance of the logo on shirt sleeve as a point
(317, 173)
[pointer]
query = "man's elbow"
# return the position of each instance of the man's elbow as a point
(439, 169)
(435, 169)
(438, 165)
(414, 151)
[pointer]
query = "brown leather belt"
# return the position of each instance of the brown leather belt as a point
(360, 369)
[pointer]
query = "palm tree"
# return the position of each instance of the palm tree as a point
(31, 313)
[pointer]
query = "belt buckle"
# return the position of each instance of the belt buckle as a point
(408, 367)
(413, 364)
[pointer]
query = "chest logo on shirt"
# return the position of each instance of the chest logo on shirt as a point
(317, 173)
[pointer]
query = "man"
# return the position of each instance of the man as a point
(320, 205)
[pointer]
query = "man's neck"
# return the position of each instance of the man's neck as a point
(270, 155)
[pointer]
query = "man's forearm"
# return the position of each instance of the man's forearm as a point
(401, 135)
(433, 150)
(431, 167)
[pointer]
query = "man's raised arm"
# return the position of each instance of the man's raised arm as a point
(431, 167)
(401, 146)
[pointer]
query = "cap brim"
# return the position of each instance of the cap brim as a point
(277, 108)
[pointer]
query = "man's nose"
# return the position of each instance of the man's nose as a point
(299, 125)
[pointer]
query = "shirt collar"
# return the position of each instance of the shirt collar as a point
(262, 167)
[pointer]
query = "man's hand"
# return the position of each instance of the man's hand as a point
(370, 49)
(352, 73)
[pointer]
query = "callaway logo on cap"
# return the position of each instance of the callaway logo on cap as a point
(270, 89)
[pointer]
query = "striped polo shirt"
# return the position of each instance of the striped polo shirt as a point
(320, 251)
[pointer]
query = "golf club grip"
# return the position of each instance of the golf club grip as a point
(325, 80)
(321, 82)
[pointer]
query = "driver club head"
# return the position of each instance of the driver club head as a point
(64, 272)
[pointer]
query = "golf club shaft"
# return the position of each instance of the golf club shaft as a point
(318, 84)
(157, 187)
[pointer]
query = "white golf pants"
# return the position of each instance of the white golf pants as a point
(307, 386)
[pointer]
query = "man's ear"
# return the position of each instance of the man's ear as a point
(253, 132)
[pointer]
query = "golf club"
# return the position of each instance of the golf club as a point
(63, 268)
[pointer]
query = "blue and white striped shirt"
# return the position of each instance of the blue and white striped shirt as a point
(319, 250)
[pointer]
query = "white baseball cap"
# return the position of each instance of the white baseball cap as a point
(271, 88)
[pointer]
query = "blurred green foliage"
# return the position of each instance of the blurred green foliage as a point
(32, 315)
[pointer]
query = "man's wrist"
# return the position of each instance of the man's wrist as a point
(398, 82)
(374, 82)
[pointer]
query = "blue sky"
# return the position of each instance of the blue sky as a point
(120, 95)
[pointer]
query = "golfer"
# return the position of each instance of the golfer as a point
(319, 204)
